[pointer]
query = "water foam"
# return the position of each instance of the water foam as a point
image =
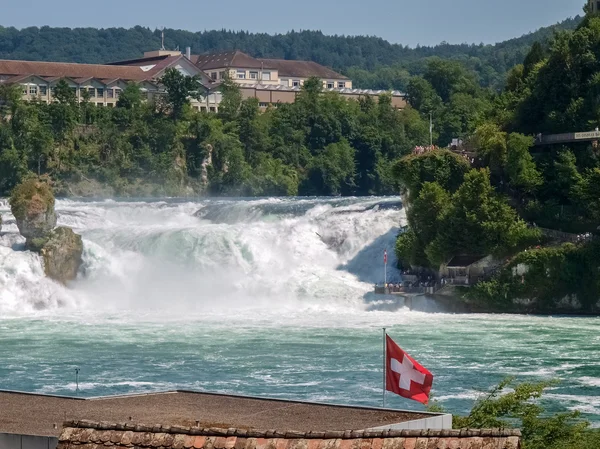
(202, 257)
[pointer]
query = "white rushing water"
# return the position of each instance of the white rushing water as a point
(266, 297)
(272, 252)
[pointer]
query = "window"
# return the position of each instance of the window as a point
(253, 75)
(43, 91)
(117, 93)
(263, 105)
(24, 90)
(241, 74)
(203, 108)
(110, 93)
(92, 92)
(212, 109)
(100, 91)
(144, 94)
(109, 105)
(330, 85)
(296, 83)
(221, 75)
(33, 90)
(341, 84)
(284, 82)
(266, 76)
(213, 75)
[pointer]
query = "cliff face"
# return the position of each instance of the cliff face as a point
(32, 204)
(62, 255)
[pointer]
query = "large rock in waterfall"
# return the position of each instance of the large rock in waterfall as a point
(62, 254)
(32, 204)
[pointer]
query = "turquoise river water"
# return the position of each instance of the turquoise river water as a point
(267, 297)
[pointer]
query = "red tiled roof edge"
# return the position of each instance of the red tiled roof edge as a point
(70, 426)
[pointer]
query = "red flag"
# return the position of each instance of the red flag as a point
(385, 256)
(405, 376)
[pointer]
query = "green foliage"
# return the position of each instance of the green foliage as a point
(322, 144)
(443, 167)
(231, 99)
(479, 222)
(131, 97)
(548, 276)
(510, 404)
(180, 89)
(31, 197)
(520, 167)
(64, 94)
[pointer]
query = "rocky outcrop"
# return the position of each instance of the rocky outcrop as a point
(62, 254)
(32, 204)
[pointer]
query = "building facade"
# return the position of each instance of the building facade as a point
(271, 81)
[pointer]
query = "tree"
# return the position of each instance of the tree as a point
(64, 94)
(520, 167)
(442, 166)
(10, 99)
(333, 171)
(448, 78)
(231, 99)
(478, 222)
(179, 89)
(131, 97)
(510, 404)
(422, 96)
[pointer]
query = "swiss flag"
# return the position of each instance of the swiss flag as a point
(404, 375)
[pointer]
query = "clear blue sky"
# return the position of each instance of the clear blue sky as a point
(409, 22)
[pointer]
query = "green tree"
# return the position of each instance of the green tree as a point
(231, 100)
(131, 97)
(64, 94)
(443, 167)
(179, 89)
(520, 167)
(479, 222)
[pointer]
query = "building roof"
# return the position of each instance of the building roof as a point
(92, 435)
(141, 61)
(230, 58)
(301, 69)
(463, 261)
(346, 90)
(72, 70)
(34, 414)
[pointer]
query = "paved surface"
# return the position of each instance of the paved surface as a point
(44, 415)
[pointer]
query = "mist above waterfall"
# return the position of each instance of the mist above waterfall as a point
(209, 256)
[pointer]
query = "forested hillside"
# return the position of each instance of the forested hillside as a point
(500, 196)
(372, 62)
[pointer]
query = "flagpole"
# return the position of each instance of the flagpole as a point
(385, 269)
(384, 368)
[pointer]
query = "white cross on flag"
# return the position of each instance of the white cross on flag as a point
(404, 375)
